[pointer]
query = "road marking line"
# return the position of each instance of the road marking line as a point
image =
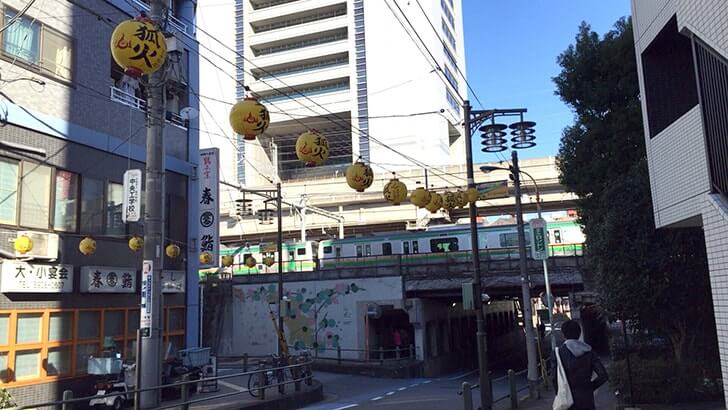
(389, 393)
(347, 407)
(401, 388)
(232, 386)
(427, 381)
(463, 375)
(378, 398)
(414, 385)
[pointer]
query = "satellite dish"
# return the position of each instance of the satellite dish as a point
(188, 113)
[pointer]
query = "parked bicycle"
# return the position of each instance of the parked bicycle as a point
(274, 375)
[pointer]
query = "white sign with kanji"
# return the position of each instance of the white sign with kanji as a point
(173, 281)
(209, 220)
(132, 205)
(22, 277)
(108, 279)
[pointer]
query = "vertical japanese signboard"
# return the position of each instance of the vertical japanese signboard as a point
(539, 239)
(209, 228)
(145, 318)
(132, 195)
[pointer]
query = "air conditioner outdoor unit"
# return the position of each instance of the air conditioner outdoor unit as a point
(45, 245)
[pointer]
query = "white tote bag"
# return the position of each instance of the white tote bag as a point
(563, 400)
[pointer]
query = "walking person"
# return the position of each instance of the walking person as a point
(578, 362)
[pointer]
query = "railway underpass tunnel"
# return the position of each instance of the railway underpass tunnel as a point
(387, 328)
(445, 335)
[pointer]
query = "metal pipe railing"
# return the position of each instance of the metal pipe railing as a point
(182, 385)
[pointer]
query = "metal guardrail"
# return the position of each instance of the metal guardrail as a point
(371, 355)
(184, 402)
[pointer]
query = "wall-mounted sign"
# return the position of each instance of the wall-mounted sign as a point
(145, 318)
(173, 281)
(108, 279)
(209, 220)
(21, 277)
(132, 205)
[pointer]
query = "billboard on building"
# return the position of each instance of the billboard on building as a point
(209, 220)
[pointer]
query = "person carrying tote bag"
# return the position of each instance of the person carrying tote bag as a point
(576, 363)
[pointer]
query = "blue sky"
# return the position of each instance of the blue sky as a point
(511, 48)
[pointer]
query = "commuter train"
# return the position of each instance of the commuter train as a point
(433, 245)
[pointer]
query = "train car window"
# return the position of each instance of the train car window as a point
(359, 253)
(327, 249)
(386, 248)
(338, 251)
(444, 245)
(415, 247)
(405, 247)
(557, 235)
(301, 251)
(369, 250)
(508, 240)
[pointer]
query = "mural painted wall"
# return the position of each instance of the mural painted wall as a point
(324, 315)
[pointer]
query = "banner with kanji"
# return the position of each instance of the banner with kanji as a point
(209, 220)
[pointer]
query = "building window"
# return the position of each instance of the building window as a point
(8, 191)
(450, 57)
(47, 346)
(450, 77)
(448, 14)
(452, 101)
(65, 212)
(114, 200)
(35, 195)
(37, 45)
(670, 87)
(448, 34)
(92, 205)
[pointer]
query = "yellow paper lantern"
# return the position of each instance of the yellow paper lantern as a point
(359, 176)
(449, 201)
(206, 258)
(249, 118)
(435, 202)
(268, 261)
(312, 148)
(227, 260)
(138, 46)
(87, 246)
(472, 194)
(136, 243)
(250, 262)
(23, 244)
(395, 191)
(461, 198)
(420, 197)
(172, 251)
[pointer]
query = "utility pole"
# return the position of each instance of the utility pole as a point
(484, 377)
(279, 203)
(153, 226)
(525, 283)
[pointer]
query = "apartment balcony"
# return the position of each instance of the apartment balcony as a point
(338, 45)
(299, 79)
(272, 36)
(121, 97)
(174, 22)
(284, 7)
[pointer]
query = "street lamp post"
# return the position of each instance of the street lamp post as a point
(493, 140)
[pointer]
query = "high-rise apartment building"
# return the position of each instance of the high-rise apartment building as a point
(353, 70)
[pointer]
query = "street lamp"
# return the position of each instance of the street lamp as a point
(549, 301)
(494, 141)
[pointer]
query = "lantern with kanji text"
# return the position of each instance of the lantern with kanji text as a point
(312, 148)
(227, 260)
(435, 202)
(359, 176)
(250, 262)
(268, 261)
(172, 251)
(395, 191)
(23, 244)
(249, 118)
(136, 243)
(138, 46)
(472, 195)
(449, 201)
(420, 197)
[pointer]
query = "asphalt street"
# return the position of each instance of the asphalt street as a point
(362, 392)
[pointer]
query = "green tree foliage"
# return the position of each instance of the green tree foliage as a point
(658, 279)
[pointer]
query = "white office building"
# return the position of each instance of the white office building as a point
(682, 56)
(356, 71)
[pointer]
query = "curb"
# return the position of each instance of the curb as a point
(290, 401)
